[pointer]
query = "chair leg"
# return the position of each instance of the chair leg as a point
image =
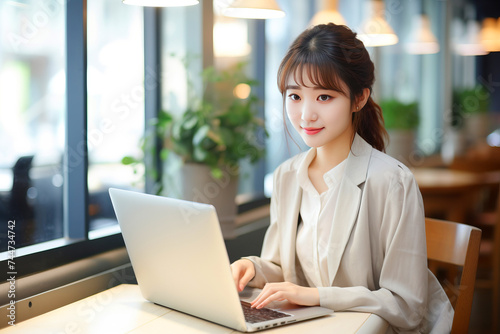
(496, 282)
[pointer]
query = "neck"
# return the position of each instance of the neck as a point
(332, 154)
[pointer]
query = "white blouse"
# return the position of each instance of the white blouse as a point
(316, 212)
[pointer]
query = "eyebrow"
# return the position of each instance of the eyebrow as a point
(297, 87)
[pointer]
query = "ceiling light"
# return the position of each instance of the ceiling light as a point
(328, 13)
(467, 41)
(231, 38)
(375, 31)
(421, 39)
(253, 9)
(161, 3)
(490, 34)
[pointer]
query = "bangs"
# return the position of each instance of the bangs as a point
(312, 68)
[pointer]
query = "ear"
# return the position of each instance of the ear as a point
(362, 99)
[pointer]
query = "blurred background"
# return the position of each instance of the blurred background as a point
(437, 79)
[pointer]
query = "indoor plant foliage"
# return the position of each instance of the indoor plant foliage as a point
(401, 121)
(216, 131)
(470, 112)
(399, 115)
(219, 129)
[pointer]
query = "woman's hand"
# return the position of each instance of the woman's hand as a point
(243, 271)
(295, 294)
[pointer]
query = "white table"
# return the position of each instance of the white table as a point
(122, 309)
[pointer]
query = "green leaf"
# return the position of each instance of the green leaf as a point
(216, 173)
(201, 134)
(164, 154)
(129, 160)
(199, 154)
(190, 122)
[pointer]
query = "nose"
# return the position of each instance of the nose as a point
(308, 113)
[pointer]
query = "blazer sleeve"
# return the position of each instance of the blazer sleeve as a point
(268, 265)
(401, 297)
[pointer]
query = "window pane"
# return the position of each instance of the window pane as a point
(115, 75)
(32, 108)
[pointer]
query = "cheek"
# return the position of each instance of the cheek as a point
(340, 114)
(293, 113)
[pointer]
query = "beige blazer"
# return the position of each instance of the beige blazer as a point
(377, 252)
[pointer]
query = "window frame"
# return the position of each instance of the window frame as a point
(75, 244)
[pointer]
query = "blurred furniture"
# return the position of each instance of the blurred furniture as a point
(456, 244)
(122, 309)
(490, 252)
(20, 209)
(448, 194)
(487, 218)
(484, 161)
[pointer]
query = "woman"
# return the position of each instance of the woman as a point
(347, 225)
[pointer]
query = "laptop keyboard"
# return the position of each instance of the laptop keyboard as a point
(253, 315)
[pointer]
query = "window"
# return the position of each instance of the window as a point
(54, 191)
(115, 118)
(32, 121)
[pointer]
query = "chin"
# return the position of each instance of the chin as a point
(312, 143)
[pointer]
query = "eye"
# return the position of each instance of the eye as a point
(324, 98)
(294, 97)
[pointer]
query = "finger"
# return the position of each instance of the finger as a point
(247, 277)
(236, 274)
(268, 290)
(277, 296)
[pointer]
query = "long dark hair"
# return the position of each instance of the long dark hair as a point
(331, 55)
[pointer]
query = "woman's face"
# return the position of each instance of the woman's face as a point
(323, 118)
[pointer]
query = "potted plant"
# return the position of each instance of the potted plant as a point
(401, 121)
(470, 112)
(210, 138)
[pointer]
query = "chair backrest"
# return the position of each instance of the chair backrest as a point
(456, 244)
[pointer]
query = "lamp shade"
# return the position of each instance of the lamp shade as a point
(468, 42)
(490, 34)
(375, 31)
(421, 39)
(328, 13)
(161, 3)
(253, 9)
(231, 38)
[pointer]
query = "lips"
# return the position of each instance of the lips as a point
(312, 131)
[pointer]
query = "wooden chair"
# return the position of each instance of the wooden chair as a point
(486, 216)
(488, 220)
(456, 244)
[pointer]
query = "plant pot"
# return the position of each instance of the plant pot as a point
(198, 185)
(476, 128)
(401, 144)
(454, 143)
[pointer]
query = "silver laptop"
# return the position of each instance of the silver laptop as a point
(179, 257)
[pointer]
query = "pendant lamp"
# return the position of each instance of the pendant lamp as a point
(421, 39)
(253, 9)
(161, 3)
(375, 31)
(468, 42)
(328, 13)
(490, 34)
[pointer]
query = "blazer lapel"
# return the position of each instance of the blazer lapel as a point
(289, 214)
(348, 203)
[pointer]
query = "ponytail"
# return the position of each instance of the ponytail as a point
(369, 124)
